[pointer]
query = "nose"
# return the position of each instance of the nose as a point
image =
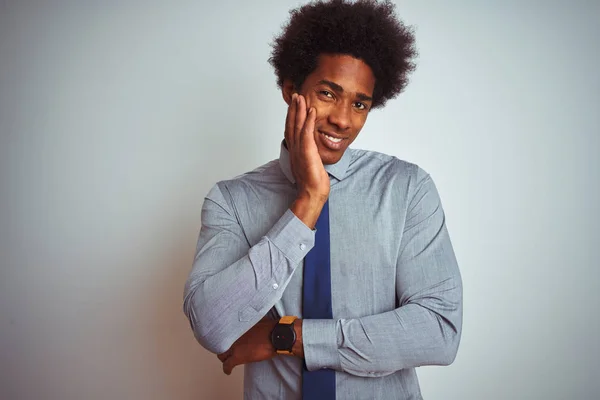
(339, 116)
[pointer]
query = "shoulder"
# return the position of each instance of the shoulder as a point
(386, 166)
(385, 173)
(266, 171)
(248, 182)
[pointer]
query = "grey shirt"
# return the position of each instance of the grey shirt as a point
(396, 287)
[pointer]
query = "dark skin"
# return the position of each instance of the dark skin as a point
(334, 100)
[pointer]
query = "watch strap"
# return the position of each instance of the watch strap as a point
(288, 319)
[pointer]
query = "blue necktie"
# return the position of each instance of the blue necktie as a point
(316, 304)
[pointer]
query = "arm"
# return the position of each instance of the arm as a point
(425, 329)
(232, 285)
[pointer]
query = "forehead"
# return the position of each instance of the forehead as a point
(353, 74)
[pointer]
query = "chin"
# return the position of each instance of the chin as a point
(329, 158)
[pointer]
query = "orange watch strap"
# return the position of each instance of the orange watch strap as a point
(288, 319)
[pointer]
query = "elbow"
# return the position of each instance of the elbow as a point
(447, 338)
(205, 328)
(451, 334)
(451, 330)
(213, 344)
(449, 351)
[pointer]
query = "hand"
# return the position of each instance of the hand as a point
(311, 178)
(254, 345)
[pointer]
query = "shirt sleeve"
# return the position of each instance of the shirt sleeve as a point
(232, 285)
(426, 327)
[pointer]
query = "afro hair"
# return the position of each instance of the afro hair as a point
(365, 29)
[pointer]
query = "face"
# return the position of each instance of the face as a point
(341, 90)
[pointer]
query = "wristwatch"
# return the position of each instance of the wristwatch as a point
(283, 336)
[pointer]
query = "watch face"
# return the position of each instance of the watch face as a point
(283, 337)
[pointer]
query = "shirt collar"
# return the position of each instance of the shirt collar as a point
(337, 170)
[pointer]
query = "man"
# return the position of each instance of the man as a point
(329, 273)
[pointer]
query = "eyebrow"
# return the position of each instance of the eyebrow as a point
(336, 87)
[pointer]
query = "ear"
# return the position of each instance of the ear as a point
(287, 90)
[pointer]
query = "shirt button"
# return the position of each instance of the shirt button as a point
(302, 246)
(275, 286)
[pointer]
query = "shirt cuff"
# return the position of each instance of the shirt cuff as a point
(292, 237)
(319, 339)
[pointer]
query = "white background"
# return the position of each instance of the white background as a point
(116, 118)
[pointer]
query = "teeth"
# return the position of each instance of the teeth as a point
(334, 140)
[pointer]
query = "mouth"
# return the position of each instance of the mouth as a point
(331, 141)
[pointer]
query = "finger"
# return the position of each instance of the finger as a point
(290, 120)
(308, 131)
(228, 366)
(300, 117)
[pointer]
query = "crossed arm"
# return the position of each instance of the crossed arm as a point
(232, 285)
(231, 289)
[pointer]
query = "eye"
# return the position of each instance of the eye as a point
(326, 93)
(360, 106)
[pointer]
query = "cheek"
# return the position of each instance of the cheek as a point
(359, 122)
(323, 111)
(321, 114)
(320, 108)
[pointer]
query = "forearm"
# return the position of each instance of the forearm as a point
(223, 306)
(421, 333)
